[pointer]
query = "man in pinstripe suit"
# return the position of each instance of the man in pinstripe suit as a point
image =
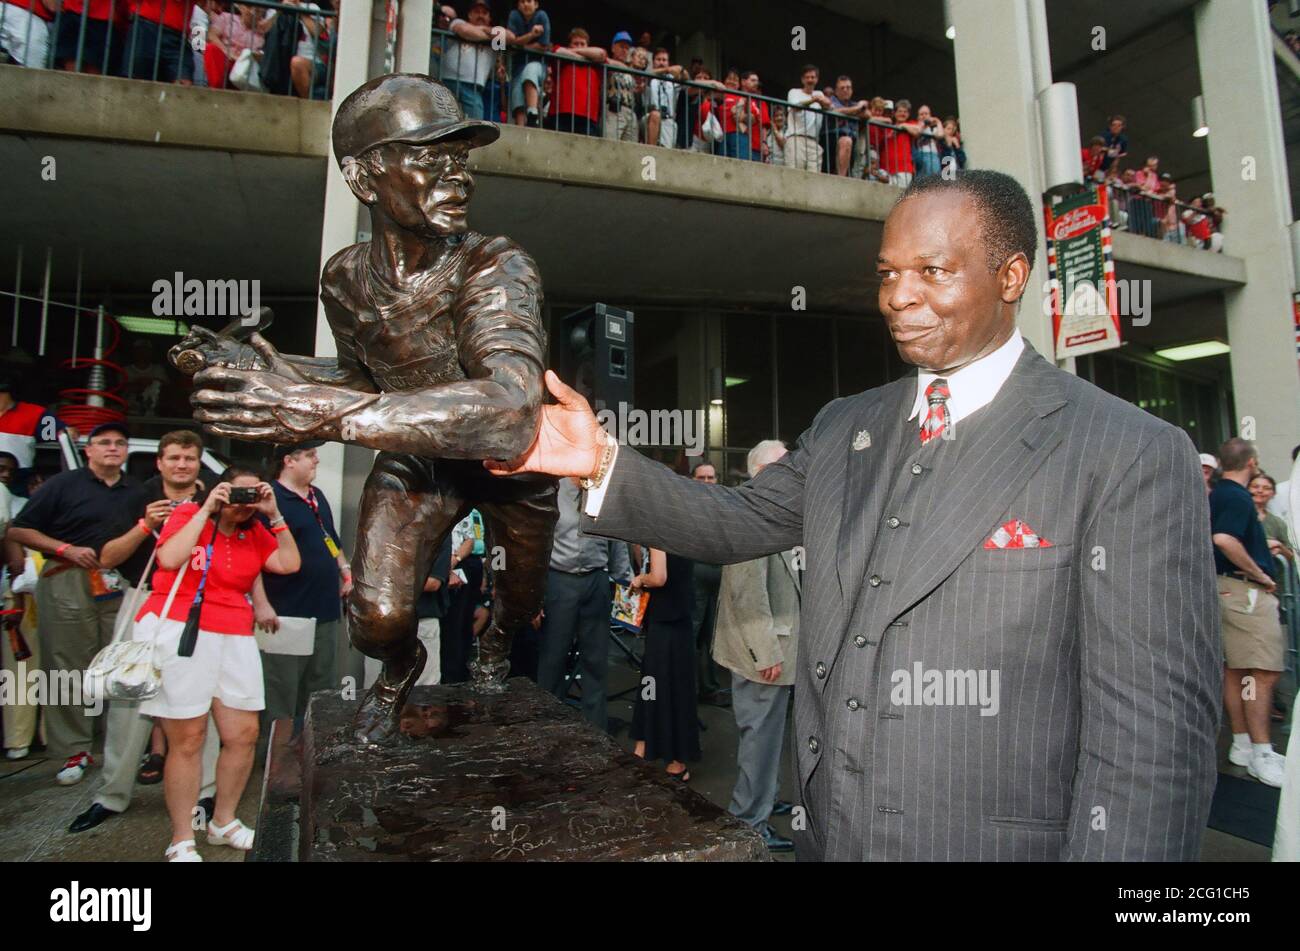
(1010, 636)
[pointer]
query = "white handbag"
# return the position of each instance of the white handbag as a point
(245, 73)
(711, 128)
(126, 670)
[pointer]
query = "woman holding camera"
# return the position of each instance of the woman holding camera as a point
(221, 547)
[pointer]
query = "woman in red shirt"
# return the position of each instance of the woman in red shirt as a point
(224, 674)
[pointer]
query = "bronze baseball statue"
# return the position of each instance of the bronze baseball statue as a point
(440, 362)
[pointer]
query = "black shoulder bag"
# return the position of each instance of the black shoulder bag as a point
(190, 636)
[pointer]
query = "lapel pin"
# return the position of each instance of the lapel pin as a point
(862, 440)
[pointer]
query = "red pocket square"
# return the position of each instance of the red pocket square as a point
(1016, 534)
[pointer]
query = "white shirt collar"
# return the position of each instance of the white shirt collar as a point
(973, 386)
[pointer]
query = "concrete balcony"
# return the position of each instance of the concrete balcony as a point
(152, 178)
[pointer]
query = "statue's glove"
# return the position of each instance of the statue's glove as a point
(268, 406)
(202, 348)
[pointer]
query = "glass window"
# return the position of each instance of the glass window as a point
(1148, 394)
(803, 373)
(1126, 386)
(862, 356)
(747, 372)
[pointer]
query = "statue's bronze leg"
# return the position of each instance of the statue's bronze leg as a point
(405, 514)
(522, 528)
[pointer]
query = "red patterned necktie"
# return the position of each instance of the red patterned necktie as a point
(937, 419)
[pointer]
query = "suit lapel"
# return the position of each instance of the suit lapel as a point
(868, 475)
(1012, 442)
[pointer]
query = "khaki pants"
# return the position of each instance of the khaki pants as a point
(20, 716)
(126, 737)
(803, 152)
(291, 679)
(74, 628)
(621, 125)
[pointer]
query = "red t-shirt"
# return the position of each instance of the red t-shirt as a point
(1200, 230)
(762, 120)
(19, 430)
(99, 9)
(577, 91)
(729, 102)
(36, 6)
(237, 559)
(877, 136)
(176, 13)
(896, 156)
(1091, 163)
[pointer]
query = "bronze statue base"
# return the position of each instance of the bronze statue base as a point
(482, 777)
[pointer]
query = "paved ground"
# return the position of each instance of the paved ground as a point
(35, 811)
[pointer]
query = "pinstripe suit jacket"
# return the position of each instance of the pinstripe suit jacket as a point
(1099, 740)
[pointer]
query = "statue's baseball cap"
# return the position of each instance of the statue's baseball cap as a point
(404, 107)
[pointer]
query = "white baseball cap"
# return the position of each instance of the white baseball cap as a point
(1209, 460)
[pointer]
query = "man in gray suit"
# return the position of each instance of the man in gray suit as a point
(1010, 636)
(756, 638)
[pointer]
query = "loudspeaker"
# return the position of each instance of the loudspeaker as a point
(595, 355)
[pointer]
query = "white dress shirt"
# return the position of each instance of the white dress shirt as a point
(973, 386)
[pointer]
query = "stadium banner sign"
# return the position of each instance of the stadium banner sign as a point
(1081, 273)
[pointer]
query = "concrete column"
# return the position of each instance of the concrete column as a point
(999, 120)
(1248, 166)
(414, 35)
(341, 224)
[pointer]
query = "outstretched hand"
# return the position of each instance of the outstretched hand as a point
(568, 440)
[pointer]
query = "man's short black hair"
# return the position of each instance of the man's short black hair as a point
(1006, 214)
(810, 68)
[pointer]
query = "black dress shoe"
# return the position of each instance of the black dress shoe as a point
(91, 818)
(782, 808)
(776, 842)
(209, 805)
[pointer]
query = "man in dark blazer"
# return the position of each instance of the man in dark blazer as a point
(1010, 639)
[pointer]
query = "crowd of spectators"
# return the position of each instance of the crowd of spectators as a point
(522, 72)
(1144, 200)
(216, 43)
(632, 91)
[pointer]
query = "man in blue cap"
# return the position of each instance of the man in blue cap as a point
(620, 93)
(441, 351)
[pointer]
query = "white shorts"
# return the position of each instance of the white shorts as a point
(225, 666)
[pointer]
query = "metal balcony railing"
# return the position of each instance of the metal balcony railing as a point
(284, 48)
(610, 100)
(1142, 212)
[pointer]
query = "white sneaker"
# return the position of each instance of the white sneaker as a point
(1240, 755)
(18, 752)
(1268, 768)
(74, 770)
